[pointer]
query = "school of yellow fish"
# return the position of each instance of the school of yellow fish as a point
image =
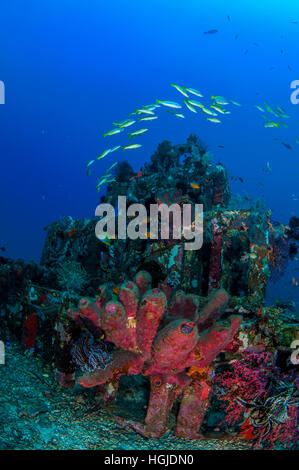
(212, 112)
(148, 113)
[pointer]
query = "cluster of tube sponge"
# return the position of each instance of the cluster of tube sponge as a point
(168, 340)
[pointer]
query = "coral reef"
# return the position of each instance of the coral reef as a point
(261, 398)
(175, 167)
(188, 328)
(69, 240)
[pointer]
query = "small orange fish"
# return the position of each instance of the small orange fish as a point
(70, 233)
(138, 175)
(198, 370)
(115, 290)
(247, 431)
(195, 186)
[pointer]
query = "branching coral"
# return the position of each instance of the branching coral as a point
(254, 394)
(246, 379)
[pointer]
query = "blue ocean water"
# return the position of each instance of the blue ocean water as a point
(72, 68)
